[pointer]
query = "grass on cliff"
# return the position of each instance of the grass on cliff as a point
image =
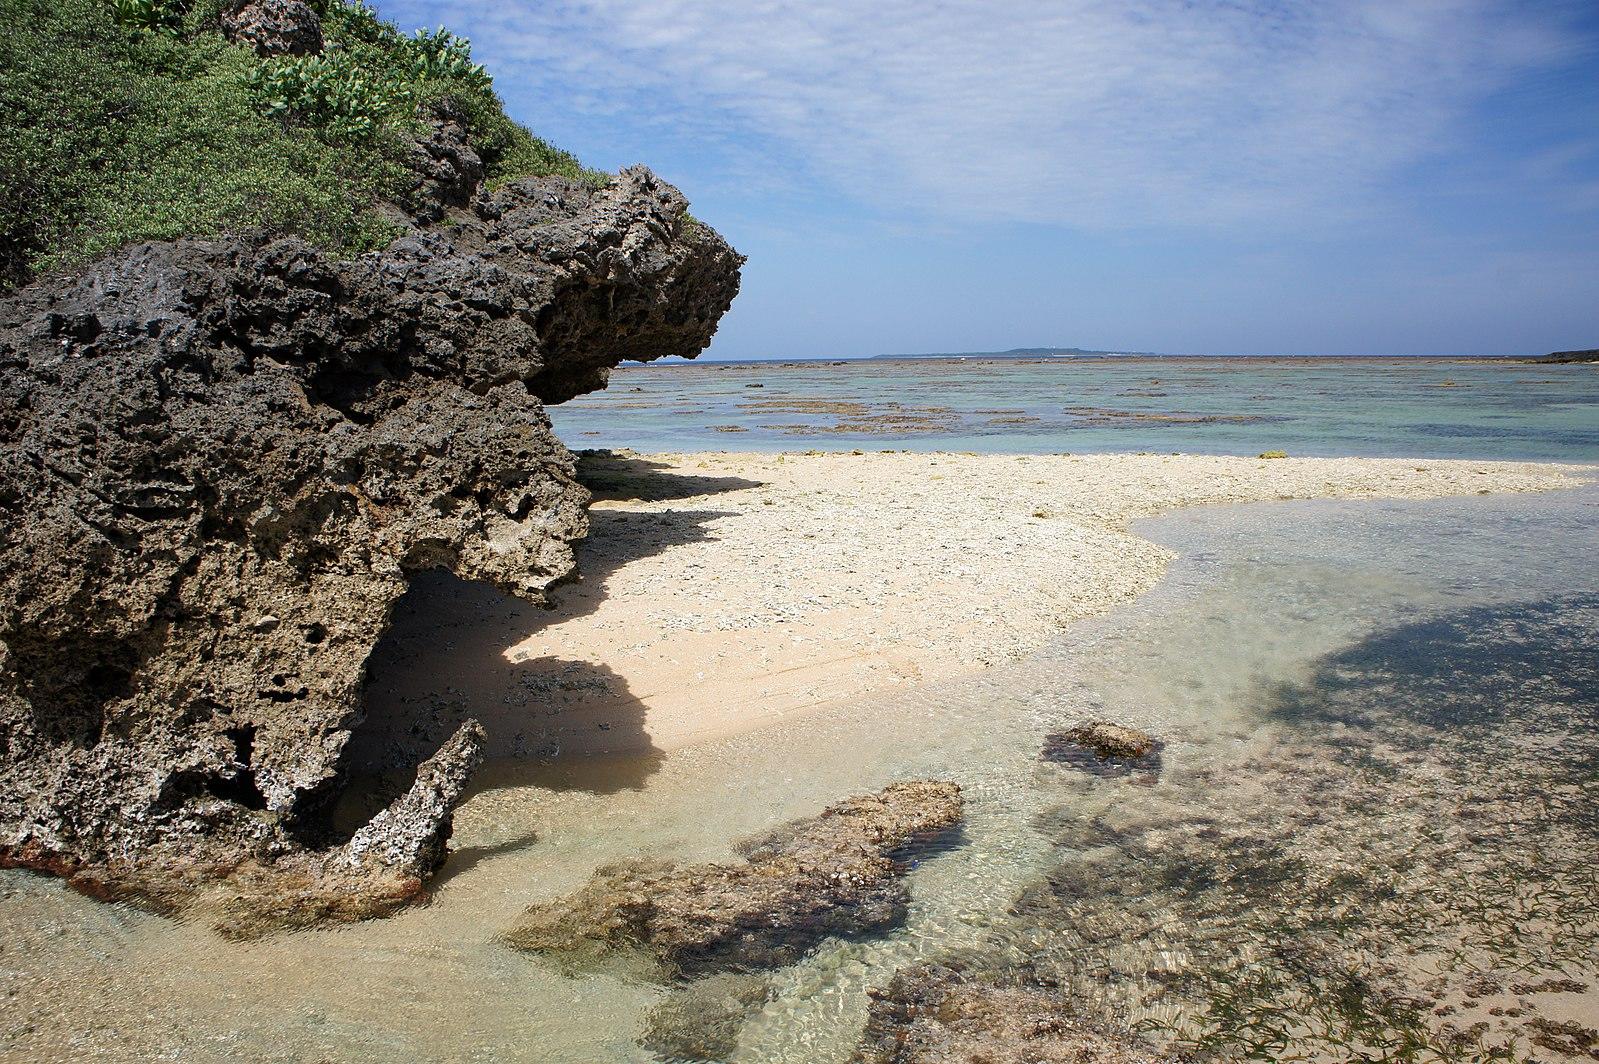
(129, 120)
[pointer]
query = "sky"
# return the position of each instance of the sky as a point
(1184, 176)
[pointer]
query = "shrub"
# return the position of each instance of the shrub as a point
(151, 16)
(351, 21)
(333, 93)
(128, 120)
(111, 137)
(439, 55)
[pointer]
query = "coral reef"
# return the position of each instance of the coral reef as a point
(702, 1020)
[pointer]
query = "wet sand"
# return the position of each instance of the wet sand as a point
(722, 592)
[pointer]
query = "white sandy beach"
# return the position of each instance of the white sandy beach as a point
(724, 591)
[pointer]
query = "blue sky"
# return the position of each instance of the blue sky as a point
(1339, 176)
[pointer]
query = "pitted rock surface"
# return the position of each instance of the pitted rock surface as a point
(221, 459)
(273, 27)
(448, 170)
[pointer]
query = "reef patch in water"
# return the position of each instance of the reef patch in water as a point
(1403, 866)
(839, 873)
(702, 1020)
(939, 1014)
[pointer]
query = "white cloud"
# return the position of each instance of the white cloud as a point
(1078, 112)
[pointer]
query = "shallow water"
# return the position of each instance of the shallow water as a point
(1418, 407)
(1373, 713)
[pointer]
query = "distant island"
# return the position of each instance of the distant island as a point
(1570, 356)
(1019, 352)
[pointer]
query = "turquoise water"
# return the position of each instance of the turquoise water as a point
(1417, 407)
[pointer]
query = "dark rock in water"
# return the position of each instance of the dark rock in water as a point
(1104, 749)
(1569, 356)
(938, 1014)
(1112, 740)
(273, 27)
(221, 460)
(702, 1020)
(836, 874)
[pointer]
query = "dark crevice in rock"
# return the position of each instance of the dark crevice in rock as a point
(240, 787)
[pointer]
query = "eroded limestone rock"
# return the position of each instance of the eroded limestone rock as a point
(1112, 740)
(939, 1014)
(273, 27)
(836, 874)
(220, 459)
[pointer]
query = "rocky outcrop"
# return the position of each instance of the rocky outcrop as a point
(837, 874)
(273, 27)
(447, 170)
(1110, 740)
(220, 461)
(938, 1014)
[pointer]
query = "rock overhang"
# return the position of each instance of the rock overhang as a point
(223, 458)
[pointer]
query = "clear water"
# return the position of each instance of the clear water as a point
(1417, 407)
(1373, 713)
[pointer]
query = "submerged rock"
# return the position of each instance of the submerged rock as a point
(703, 1020)
(1104, 749)
(937, 1014)
(836, 874)
(222, 459)
(1112, 740)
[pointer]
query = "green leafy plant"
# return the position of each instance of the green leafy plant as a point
(337, 97)
(352, 21)
(150, 16)
(438, 54)
(130, 120)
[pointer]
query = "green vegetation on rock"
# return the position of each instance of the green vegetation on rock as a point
(130, 120)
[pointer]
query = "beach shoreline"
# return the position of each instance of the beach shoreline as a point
(721, 592)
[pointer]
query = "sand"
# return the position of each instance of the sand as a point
(726, 591)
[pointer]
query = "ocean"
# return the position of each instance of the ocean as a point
(1414, 407)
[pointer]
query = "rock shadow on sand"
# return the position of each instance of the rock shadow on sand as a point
(621, 476)
(449, 656)
(445, 660)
